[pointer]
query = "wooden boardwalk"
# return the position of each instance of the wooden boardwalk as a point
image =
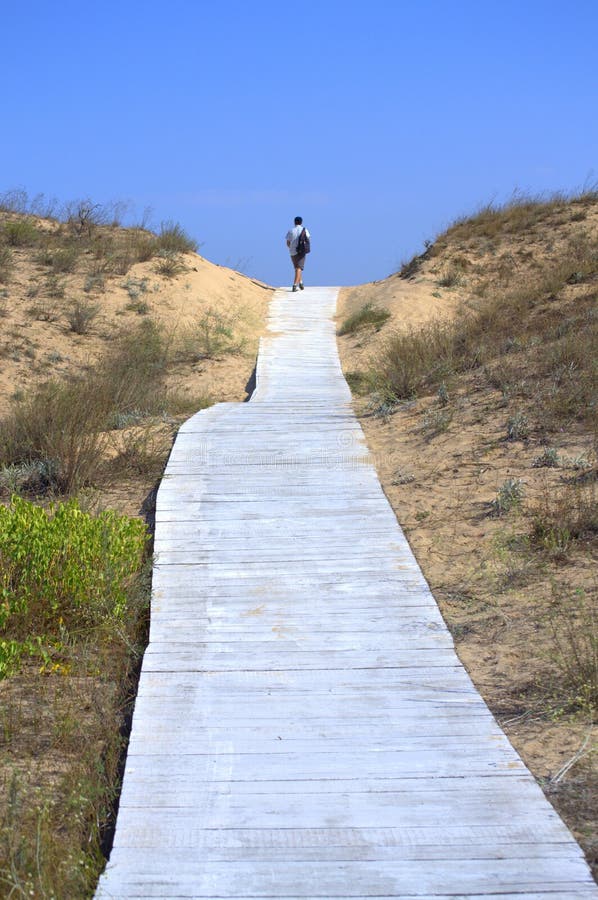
(303, 727)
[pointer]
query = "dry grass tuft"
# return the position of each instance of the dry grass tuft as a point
(368, 316)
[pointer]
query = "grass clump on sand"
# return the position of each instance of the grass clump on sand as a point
(174, 238)
(368, 315)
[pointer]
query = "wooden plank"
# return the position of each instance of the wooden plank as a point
(303, 727)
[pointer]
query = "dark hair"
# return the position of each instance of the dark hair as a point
(298, 220)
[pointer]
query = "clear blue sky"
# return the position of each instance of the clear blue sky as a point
(379, 122)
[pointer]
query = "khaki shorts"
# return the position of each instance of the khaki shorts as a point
(298, 261)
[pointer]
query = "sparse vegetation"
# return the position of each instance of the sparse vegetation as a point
(359, 382)
(368, 315)
(573, 622)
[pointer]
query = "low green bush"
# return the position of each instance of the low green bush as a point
(61, 570)
(21, 233)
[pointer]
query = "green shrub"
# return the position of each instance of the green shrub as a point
(21, 233)
(61, 570)
(367, 315)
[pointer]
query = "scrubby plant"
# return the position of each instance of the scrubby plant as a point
(411, 267)
(36, 477)
(65, 259)
(509, 495)
(368, 315)
(6, 264)
(83, 216)
(561, 517)
(518, 427)
(81, 315)
(213, 335)
(402, 477)
(436, 421)
(573, 621)
(548, 459)
(383, 405)
(95, 283)
(359, 382)
(450, 277)
(174, 239)
(442, 395)
(169, 264)
(44, 310)
(55, 286)
(20, 233)
(415, 360)
(135, 287)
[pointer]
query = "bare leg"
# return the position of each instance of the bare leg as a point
(298, 275)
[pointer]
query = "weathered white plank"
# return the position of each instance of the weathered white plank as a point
(303, 728)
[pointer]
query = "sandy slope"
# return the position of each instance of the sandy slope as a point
(36, 342)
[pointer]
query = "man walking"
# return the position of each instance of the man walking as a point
(298, 243)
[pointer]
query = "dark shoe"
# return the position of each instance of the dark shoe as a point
(294, 288)
(301, 285)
